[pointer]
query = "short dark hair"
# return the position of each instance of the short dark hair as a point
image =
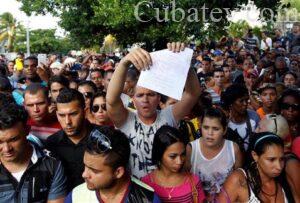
(11, 115)
(34, 88)
(88, 83)
(133, 74)
(32, 58)
(118, 155)
(163, 138)
(5, 85)
(215, 113)
(6, 99)
(101, 71)
(232, 93)
(217, 70)
(67, 95)
(58, 79)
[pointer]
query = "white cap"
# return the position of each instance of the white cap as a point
(56, 65)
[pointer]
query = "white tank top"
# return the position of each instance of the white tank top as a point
(253, 198)
(212, 172)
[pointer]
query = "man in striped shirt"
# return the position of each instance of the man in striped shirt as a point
(36, 102)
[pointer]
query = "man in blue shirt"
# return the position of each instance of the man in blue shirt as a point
(26, 173)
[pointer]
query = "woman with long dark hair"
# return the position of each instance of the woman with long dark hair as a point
(170, 181)
(263, 179)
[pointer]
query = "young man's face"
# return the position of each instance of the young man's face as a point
(231, 62)
(10, 67)
(146, 102)
(219, 78)
(268, 97)
(30, 69)
(55, 89)
(206, 65)
(36, 105)
(97, 78)
(12, 143)
(70, 116)
(97, 174)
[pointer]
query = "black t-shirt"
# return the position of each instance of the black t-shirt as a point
(70, 154)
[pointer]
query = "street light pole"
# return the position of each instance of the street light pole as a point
(27, 38)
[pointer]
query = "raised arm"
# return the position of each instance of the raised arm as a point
(115, 108)
(189, 98)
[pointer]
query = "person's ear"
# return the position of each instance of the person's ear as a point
(161, 105)
(119, 172)
(254, 156)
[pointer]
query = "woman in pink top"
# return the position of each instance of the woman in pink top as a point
(169, 180)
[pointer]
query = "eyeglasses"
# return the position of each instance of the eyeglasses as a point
(88, 95)
(274, 118)
(287, 106)
(95, 108)
(99, 142)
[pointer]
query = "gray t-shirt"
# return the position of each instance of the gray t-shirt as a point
(141, 138)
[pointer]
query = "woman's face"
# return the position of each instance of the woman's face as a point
(240, 105)
(249, 81)
(271, 162)
(212, 131)
(290, 108)
(289, 80)
(174, 157)
(294, 66)
(99, 111)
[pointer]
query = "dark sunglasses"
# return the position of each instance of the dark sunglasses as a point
(95, 108)
(99, 142)
(286, 106)
(88, 95)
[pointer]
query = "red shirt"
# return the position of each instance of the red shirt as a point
(45, 129)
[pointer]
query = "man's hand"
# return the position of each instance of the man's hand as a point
(52, 108)
(176, 46)
(43, 72)
(139, 58)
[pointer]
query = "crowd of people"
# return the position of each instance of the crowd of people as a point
(80, 129)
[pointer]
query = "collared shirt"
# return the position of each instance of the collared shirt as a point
(70, 154)
(43, 180)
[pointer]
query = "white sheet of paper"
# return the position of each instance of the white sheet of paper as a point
(168, 73)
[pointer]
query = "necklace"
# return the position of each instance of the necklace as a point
(170, 196)
(271, 195)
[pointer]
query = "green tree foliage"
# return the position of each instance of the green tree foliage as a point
(88, 21)
(45, 41)
(238, 29)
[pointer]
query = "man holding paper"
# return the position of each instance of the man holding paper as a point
(140, 126)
